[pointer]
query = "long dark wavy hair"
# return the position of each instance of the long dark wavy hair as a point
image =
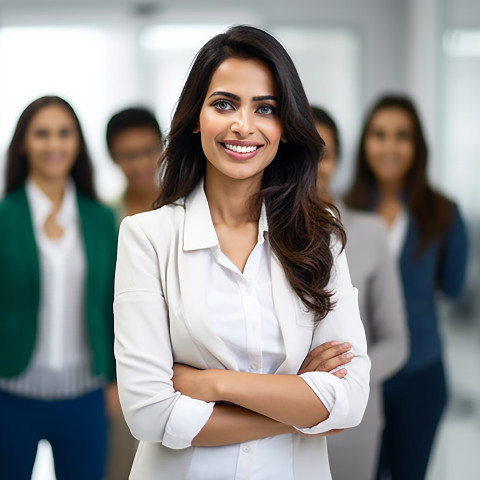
(300, 225)
(17, 162)
(430, 210)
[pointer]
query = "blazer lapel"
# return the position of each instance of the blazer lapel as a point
(198, 234)
(193, 295)
(26, 247)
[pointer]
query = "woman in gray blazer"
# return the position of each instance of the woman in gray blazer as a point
(380, 299)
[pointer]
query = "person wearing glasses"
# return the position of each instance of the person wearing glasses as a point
(134, 141)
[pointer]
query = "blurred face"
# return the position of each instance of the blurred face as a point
(239, 127)
(389, 145)
(137, 151)
(51, 143)
(326, 168)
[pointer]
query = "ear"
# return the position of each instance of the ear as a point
(197, 128)
(283, 139)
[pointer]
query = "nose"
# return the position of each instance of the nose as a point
(243, 123)
(54, 141)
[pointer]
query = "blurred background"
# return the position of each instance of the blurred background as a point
(104, 55)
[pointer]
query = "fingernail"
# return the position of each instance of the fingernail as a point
(347, 345)
(334, 343)
(349, 355)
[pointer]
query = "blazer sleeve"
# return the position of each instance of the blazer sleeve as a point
(389, 347)
(343, 323)
(453, 257)
(152, 409)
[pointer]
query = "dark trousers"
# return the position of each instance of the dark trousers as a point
(414, 403)
(76, 430)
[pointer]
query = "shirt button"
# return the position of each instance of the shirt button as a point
(246, 448)
(254, 366)
(247, 291)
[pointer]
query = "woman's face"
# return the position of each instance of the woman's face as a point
(51, 143)
(239, 127)
(137, 151)
(326, 168)
(389, 145)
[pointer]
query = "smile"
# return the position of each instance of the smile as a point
(240, 148)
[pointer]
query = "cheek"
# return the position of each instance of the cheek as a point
(209, 126)
(329, 167)
(408, 151)
(73, 145)
(273, 131)
(31, 147)
(371, 147)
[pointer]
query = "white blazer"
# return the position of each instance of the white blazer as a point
(160, 319)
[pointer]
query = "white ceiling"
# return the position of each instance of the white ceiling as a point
(265, 12)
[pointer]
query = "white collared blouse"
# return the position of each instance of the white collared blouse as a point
(180, 299)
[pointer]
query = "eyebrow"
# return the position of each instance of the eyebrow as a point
(237, 98)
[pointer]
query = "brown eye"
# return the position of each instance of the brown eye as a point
(66, 132)
(41, 133)
(403, 135)
(377, 134)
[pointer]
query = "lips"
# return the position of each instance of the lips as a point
(54, 158)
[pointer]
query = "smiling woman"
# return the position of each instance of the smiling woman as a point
(428, 238)
(233, 302)
(56, 279)
(239, 128)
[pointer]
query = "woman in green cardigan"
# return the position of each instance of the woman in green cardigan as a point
(57, 261)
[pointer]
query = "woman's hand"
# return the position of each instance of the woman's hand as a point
(194, 383)
(112, 402)
(326, 357)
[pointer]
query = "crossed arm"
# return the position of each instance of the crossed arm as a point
(257, 411)
(174, 414)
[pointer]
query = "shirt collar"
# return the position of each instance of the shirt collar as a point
(199, 231)
(41, 206)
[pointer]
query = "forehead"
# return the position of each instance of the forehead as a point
(237, 75)
(52, 115)
(135, 137)
(394, 117)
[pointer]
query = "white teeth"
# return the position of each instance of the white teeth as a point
(240, 149)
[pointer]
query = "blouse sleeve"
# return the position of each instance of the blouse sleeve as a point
(349, 395)
(152, 408)
(453, 257)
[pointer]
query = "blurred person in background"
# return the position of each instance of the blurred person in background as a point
(427, 236)
(57, 261)
(134, 141)
(380, 299)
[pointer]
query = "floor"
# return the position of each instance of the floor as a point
(456, 455)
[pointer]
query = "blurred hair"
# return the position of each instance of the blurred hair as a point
(17, 162)
(131, 118)
(431, 211)
(301, 226)
(322, 117)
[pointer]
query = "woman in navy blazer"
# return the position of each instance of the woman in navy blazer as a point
(57, 261)
(428, 237)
